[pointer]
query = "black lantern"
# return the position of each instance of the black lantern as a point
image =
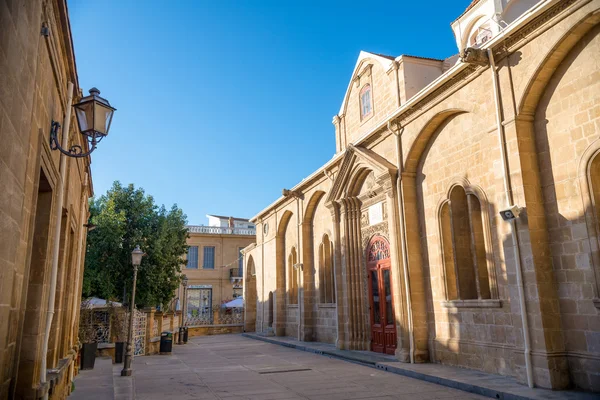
(94, 115)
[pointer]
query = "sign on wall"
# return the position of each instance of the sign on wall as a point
(375, 214)
(199, 286)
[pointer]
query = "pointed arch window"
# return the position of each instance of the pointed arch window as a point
(465, 251)
(293, 275)
(326, 277)
(591, 191)
(366, 102)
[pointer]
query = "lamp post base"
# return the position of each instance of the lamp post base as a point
(126, 372)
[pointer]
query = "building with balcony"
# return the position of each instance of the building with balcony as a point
(214, 265)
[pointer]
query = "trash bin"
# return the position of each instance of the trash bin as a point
(166, 343)
(185, 334)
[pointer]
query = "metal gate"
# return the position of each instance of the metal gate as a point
(139, 333)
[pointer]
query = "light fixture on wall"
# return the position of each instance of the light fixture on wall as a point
(94, 116)
(511, 213)
(90, 227)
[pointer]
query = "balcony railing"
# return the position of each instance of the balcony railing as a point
(218, 230)
(235, 275)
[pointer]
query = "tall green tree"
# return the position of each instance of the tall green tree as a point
(126, 217)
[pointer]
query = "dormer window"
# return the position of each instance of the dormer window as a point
(366, 102)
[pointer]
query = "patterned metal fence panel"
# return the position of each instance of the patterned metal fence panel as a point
(139, 333)
(231, 316)
(101, 324)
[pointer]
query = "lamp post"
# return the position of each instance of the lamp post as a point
(184, 282)
(136, 260)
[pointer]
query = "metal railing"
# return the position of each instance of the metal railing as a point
(219, 230)
(235, 273)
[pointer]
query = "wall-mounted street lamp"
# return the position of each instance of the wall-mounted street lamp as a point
(94, 115)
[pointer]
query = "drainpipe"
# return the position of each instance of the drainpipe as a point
(262, 266)
(300, 269)
(400, 197)
(80, 264)
(513, 226)
(56, 249)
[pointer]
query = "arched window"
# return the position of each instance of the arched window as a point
(464, 252)
(293, 274)
(326, 278)
(366, 102)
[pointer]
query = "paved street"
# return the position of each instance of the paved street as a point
(234, 367)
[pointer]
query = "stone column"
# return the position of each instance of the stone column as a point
(352, 261)
(347, 258)
(362, 326)
(398, 292)
(415, 267)
(308, 314)
(340, 273)
(550, 368)
(159, 316)
(279, 309)
(149, 311)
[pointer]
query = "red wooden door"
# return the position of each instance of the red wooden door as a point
(383, 327)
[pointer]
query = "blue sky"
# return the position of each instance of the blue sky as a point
(221, 104)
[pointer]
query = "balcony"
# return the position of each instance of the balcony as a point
(235, 275)
(218, 230)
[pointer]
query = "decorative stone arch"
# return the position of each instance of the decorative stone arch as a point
(280, 314)
(345, 206)
(250, 297)
(534, 91)
(527, 167)
(469, 30)
(590, 196)
(414, 255)
(308, 289)
(424, 136)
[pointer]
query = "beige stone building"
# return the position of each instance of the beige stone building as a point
(214, 265)
(459, 221)
(36, 64)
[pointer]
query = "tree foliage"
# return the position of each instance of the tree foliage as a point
(126, 217)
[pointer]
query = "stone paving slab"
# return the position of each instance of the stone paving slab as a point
(236, 367)
(95, 384)
(489, 385)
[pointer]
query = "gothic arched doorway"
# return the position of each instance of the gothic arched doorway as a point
(383, 326)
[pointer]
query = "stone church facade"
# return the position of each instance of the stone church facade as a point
(36, 62)
(459, 221)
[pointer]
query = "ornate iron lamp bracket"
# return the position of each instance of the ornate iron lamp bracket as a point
(75, 150)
